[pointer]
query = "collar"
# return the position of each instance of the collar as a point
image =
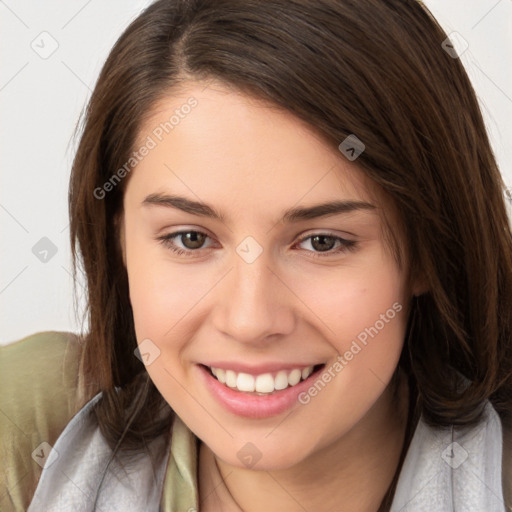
(444, 470)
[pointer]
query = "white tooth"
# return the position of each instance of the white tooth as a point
(245, 382)
(221, 375)
(294, 377)
(214, 371)
(281, 380)
(306, 372)
(230, 378)
(264, 383)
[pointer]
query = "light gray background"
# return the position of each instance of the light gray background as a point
(42, 95)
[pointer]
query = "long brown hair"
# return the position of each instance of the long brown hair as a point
(373, 68)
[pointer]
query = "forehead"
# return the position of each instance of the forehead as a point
(241, 152)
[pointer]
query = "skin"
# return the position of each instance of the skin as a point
(252, 161)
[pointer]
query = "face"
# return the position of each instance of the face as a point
(255, 251)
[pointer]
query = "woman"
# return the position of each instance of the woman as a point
(299, 273)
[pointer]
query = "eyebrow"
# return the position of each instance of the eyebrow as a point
(295, 214)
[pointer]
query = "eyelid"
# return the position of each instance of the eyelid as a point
(325, 232)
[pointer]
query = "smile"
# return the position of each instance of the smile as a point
(257, 393)
(262, 384)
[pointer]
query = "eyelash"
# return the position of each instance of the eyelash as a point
(345, 245)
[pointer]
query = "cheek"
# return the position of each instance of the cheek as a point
(161, 292)
(162, 295)
(364, 314)
(363, 311)
(350, 299)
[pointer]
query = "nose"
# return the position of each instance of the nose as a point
(254, 306)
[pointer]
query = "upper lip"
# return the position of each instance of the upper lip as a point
(259, 369)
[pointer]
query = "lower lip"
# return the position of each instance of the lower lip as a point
(255, 406)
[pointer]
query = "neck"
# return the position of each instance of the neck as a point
(352, 474)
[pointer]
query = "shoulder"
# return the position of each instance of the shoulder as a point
(39, 383)
(40, 370)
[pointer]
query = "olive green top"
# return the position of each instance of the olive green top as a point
(39, 396)
(38, 383)
(39, 386)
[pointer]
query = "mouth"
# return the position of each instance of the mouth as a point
(263, 384)
(258, 395)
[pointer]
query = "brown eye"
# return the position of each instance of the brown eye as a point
(323, 242)
(186, 243)
(192, 239)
